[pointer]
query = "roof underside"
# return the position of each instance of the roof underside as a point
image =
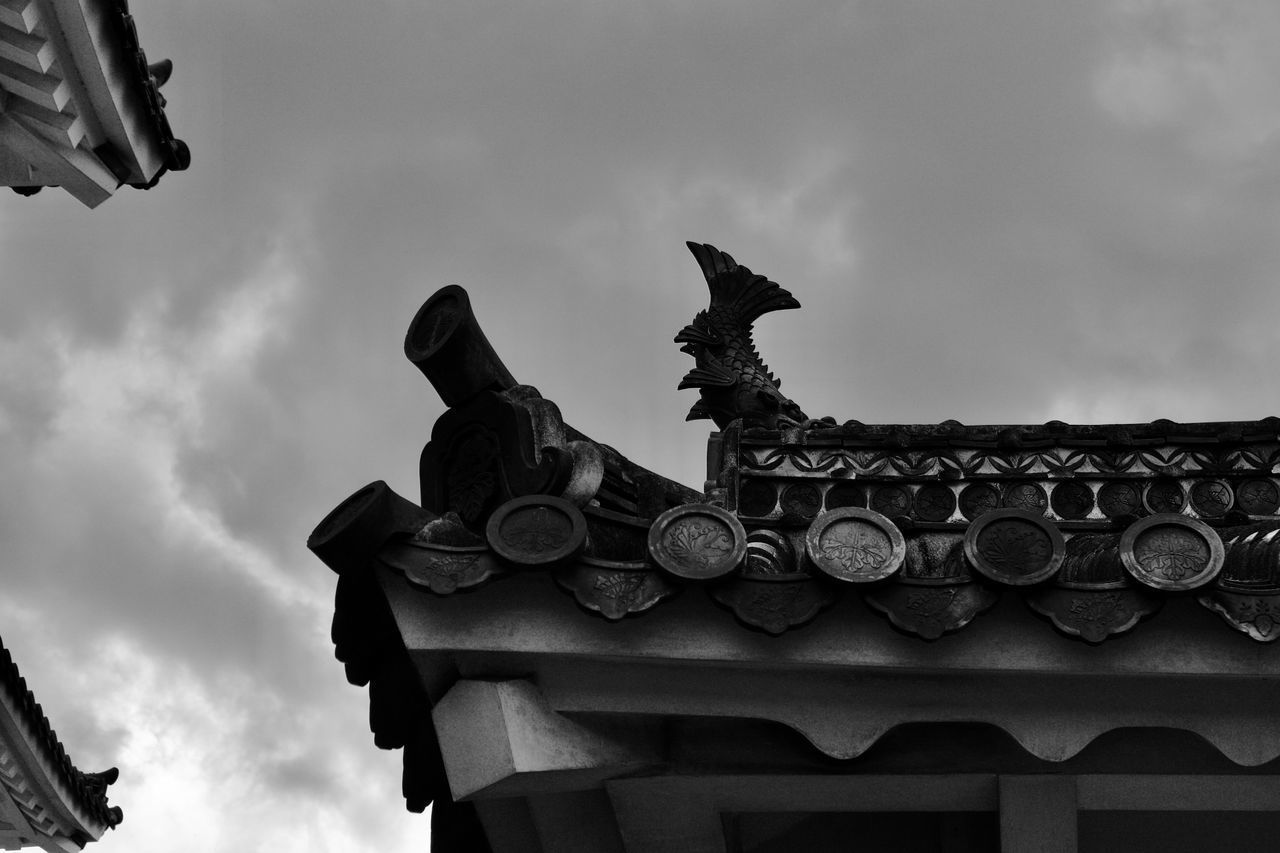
(79, 105)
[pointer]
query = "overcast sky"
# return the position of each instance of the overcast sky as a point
(998, 212)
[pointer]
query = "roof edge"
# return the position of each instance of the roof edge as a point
(79, 798)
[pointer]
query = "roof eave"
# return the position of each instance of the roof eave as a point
(32, 777)
(110, 74)
(81, 105)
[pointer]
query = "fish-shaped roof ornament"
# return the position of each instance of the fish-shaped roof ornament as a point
(734, 382)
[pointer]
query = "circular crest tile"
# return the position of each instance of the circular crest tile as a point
(1119, 498)
(846, 494)
(1014, 547)
(856, 545)
(935, 502)
(802, 499)
(978, 499)
(1211, 498)
(1029, 497)
(697, 541)
(1072, 499)
(1171, 552)
(535, 530)
(891, 500)
(756, 498)
(1258, 496)
(1165, 496)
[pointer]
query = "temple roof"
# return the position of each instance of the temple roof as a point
(995, 566)
(44, 797)
(1095, 527)
(80, 105)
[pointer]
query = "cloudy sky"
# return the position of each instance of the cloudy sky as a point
(992, 211)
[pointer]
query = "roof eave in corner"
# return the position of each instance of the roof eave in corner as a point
(110, 76)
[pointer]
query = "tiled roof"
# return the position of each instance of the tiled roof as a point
(1095, 528)
(148, 78)
(86, 793)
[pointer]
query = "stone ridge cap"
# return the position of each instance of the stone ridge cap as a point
(1015, 435)
(89, 790)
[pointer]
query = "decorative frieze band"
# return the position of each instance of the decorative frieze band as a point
(1087, 498)
(841, 462)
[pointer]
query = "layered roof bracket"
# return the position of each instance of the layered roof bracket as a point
(80, 107)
